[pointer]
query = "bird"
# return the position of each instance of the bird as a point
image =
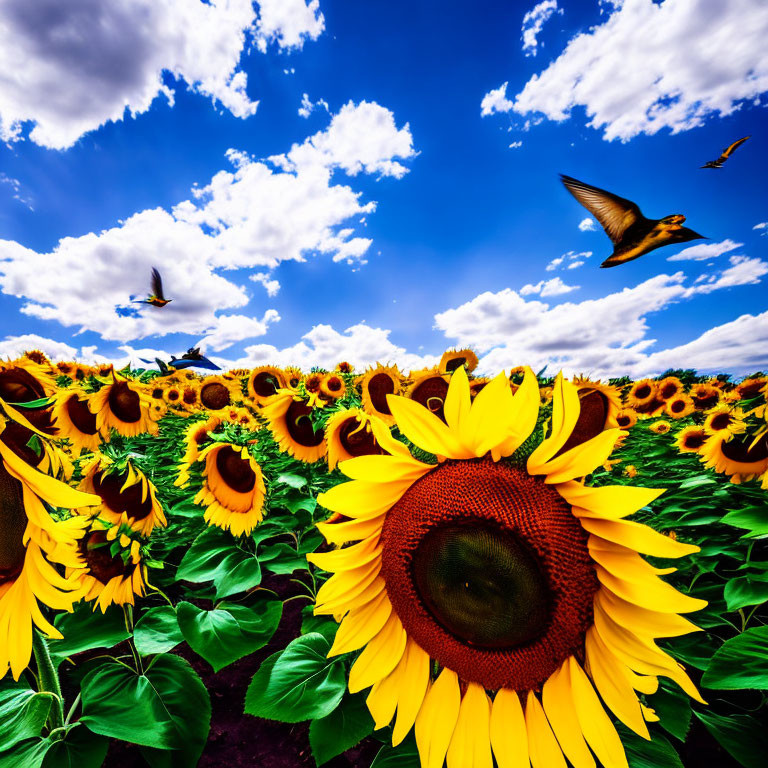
(727, 152)
(630, 232)
(156, 298)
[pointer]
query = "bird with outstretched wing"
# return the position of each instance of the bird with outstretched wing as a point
(156, 298)
(727, 152)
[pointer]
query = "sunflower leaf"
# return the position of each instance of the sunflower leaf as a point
(746, 590)
(405, 755)
(741, 662)
(229, 631)
(80, 748)
(23, 713)
(742, 736)
(85, 629)
(298, 683)
(341, 730)
(157, 631)
(658, 753)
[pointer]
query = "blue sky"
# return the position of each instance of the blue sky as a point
(413, 207)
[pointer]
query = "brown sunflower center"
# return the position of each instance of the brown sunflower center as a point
(235, 470)
(677, 406)
(431, 393)
(591, 421)
(720, 421)
(334, 384)
(80, 416)
(705, 400)
(13, 521)
(23, 442)
(190, 396)
(95, 550)
(668, 390)
(157, 393)
(312, 382)
(739, 450)
(299, 425)
(623, 421)
(173, 395)
(379, 386)
(20, 386)
(750, 388)
(215, 395)
(124, 402)
(694, 441)
(643, 391)
(356, 440)
(489, 572)
(455, 363)
(109, 485)
(265, 384)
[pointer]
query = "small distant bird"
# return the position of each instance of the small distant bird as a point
(156, 298)
(631, 233)
(727, 152)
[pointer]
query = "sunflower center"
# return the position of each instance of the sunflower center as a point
(455, 363)
(668, 389)
(299, 425)
(750, 388)
(235, 470)
(215, 395)
(489, 572)
(720, 421)
(623, 421)
(379, 387)
(482, 584)
(677, 406)
(108, 486)
(95, 549)
(705, 400)
(643, 391)
(591, 421)
(80, 416)
(13, 521)
(265, 384)
(357, 440)
(124, 402)
(334, 384)
(431, 393)
(695, 440)
(23, 442)
(20, 386)
(739, 450)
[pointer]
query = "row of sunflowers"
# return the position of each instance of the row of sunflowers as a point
(416, 569)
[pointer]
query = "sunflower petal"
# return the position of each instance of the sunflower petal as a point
(413, 690)
(424, 428)
(379, 657)
(437, 718)
(607, 501)
(470, 745)
(641, 538)
(509, 738)
(543, 748)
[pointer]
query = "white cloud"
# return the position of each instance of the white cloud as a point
(555, 263)
(232, 328)
(743, 271)
(496, 101)
(651, 66)
(763, 225)
(361, 138)
(272, 286)
(288, 22)
(705, 251)
(553, 287)
(574, 259)
(308, 106)
(533, 23)
(17, 192)
(588, 225)
(516, 145)
(575, 264)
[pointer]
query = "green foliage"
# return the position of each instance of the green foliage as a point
(341, 729)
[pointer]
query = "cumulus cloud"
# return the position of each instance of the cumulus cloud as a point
(308, 106)
(705, 251)
(232, 328)
(69, 68)
(588, 225)
(650, 66)
(533, 23)
(743, 271)
(553, 287)
(571, 260)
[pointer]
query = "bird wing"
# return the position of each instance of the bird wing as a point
(728, 151)
(157, 284)
(615, 214)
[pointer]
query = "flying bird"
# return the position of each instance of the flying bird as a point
(727, 152)
(156, 298)
(631, 233)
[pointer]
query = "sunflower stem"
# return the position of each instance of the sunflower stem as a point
(72, 709)
(48, 680)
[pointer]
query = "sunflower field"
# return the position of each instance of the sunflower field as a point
(279, 568)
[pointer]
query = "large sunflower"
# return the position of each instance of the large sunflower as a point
(291, 426)
(216, 392)
(509, 576)
(23, 382)
(599, 407)
(75, 421)
(741, 458)
(264, 382)
(124, 407)
(668, 387)
(679, 406)
(705, 396)
(233, 488)
(30, 540)
(125, 494)
(375, 385)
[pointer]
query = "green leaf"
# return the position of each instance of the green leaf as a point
(346, 726)
(294, 481)
(674, 710)
(282, 558)
(752, 518)
(658, 753)
(405, 755)
(241, 576)
(746, 590)
(741, 662)
(165, 708)
(742, 736)
(157, 631)
(23, 713)
(80, 748)
(696, 481)
(229, 631)
(85, 629)
(298, 683)
(325, 625)
(29, 754)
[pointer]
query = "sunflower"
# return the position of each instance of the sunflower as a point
(350, 433)
(679, 406)
(456, 358)
(704, 396)
(122, 406)
(599, 405)
(508, 575)
(108, 571)
(216, 392)
(24, 381)
(430, 390)
(332, 387)
(668, 387)
(75, 421)
(30, 541)
(289, 421)
(156, 391)
(344, 367)
(39, 357)
(312, 383)
(740, 458)
(292, 376)
(641, 393)
(626, 418)
(751, 387)
(725, 420)
(660, 427)
(375, 385)
(195, 435)
(264, 382)
(65, 368)
(123, 490)
(190, 397)
(233, 490)
(172, 394)
(691, 439)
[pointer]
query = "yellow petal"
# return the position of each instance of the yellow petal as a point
(608, 501)
(361, 625)
(348, 557)
(384, 438)
(354, 530)
(379, 657)
(382, 700)
(565, 414)
(643, 621)
(580, 460)
(543, 748)
(522, 416)
(413, 689)
(457, 402)
(437, 719)
(384, 469)
(641, 538)
(470, 745)
(488, 427)
(361, 500)
(423, 428)
(509, 738)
